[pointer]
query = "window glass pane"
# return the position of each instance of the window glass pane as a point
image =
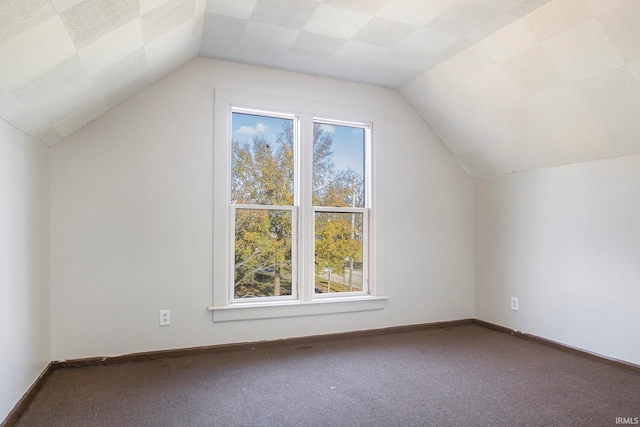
(338, 165)
(338, 252)
(262, 160)
(262, 253)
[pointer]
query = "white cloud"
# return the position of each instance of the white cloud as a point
(248, 130)
(328, 128)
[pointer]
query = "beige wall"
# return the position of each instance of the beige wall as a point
(24, 263)
(132, 217)
(566, 242)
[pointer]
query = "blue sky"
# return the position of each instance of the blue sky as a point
(348, 142)
(245, 127)
(348, 147)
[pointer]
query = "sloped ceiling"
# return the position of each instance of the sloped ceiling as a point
(65, 62)
(558, 86)
(508, 85)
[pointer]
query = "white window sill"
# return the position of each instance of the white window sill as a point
(270, 310)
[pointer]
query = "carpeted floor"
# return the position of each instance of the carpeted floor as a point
(464, 376)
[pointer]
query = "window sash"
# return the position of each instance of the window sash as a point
(366, 251)
(296, 122)
(294, 253)
(367, 160)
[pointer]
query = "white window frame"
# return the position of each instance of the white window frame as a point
(366, 211)
(303, 300)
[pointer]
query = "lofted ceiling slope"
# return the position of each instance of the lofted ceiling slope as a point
(560, 85)
(508, 85)
(66, 62)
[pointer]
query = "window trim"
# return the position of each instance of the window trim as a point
(228, 100)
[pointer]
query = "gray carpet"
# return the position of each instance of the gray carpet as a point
(464, 376)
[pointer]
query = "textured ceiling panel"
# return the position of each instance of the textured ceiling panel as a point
(384, 32)
(17, 16)
(414, 12)
(582, 51)
(57, 92)
(471, 61)
(462, 17)
(509, 41)
(623, 28)
(90, 20)
(489, 89)
(502, 5)
(284, 13)
(583, 142)
(316, 44)
(33, 52)
(490, 27)
(634, 69)
(122, 79)
(336, 22)
(173, 48)
(557, 108)
(610, 92)
(526, 7)
(532, 72)
(15, 112)
(623, 131)
(62, 5)
(426, 41)
(540, 151)
(556, 17)
(516, 121)
(241, 9)
(366, 6)
(166, 17)
(111, 48)
(149, 5)
(599, 7)
(221, 35)
(269, 37)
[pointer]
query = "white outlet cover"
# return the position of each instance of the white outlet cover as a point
(165, 317)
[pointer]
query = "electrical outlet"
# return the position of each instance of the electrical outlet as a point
(165, 317)
(514, 303)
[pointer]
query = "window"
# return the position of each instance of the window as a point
(266, 182)
(263, 200)
(295, 216)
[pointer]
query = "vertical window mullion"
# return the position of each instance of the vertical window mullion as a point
(306, 212)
